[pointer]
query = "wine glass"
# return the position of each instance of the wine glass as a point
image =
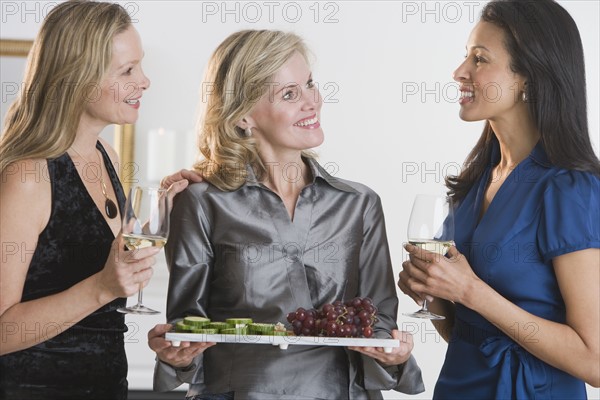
(431, 227)
(145, 224)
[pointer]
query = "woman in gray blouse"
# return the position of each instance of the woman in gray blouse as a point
(270, 231)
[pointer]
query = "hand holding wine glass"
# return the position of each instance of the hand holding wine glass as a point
(431, 228)
(145, 224)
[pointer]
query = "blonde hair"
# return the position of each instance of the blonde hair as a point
(68, 59)
(239, 73)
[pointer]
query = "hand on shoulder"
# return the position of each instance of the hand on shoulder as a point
(178, 181)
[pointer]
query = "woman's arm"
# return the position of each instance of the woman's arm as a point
(572, 347)
(447, 309)
(25, 202)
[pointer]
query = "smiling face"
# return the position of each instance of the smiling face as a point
(489, 89)
(117, 99)
(286, 118)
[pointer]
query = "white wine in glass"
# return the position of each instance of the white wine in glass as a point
(431, 227)
(145, 224)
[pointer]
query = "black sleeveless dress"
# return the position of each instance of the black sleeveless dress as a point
(87, 360)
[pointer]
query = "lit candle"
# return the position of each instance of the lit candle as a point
(161, 154)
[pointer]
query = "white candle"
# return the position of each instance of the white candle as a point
(161, 154)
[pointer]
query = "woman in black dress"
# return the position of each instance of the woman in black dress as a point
(64, 270)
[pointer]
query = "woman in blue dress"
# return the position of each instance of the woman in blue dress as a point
(520, 291)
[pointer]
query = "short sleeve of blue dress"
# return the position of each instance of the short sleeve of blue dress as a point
(570, 219)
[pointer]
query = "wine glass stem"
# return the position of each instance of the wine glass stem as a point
(424, 308)
(140, 294)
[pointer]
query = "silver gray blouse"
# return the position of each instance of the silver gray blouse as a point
(238, 254)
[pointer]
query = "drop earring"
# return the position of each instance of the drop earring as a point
(248, 132)
(524, 95)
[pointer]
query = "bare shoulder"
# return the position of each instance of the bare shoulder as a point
(26, 177)
(26, 191)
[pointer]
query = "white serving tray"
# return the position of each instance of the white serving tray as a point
(282, 341)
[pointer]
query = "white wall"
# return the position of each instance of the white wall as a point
(390, 118)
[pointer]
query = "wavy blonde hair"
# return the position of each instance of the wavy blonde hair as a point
(239, 73)
(68, 59)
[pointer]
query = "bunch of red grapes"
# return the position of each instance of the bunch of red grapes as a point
(355, 318)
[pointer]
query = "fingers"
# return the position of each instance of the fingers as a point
(167, 181)
(412, 281)
(184, 355)
(178, 187)
(370, 351)
(453, 254)
(419, 256)
(136, 268)
(378, 353)
(140, 258)
(140, 271)
(406, 345)
(127, 255)
(404, 337)
(403, 284)
(398, 355)
(133, 256)
(181, 355)
(156, 340)
(125, 271)
(137, 273)
(191, 175)
(143, 277)
(159, 330)
(183, 175)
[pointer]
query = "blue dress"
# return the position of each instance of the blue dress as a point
(540, 212)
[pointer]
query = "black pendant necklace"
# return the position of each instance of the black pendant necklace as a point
(110, 208)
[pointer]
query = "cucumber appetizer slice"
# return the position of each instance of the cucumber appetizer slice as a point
(261, 329)
(196, 322)
(217, 325)
(238, 322)
(182, 327)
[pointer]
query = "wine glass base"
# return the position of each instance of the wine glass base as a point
(424, 314)
(138, 309)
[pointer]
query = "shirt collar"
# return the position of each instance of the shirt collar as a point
(538, 155)
(318, 172)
